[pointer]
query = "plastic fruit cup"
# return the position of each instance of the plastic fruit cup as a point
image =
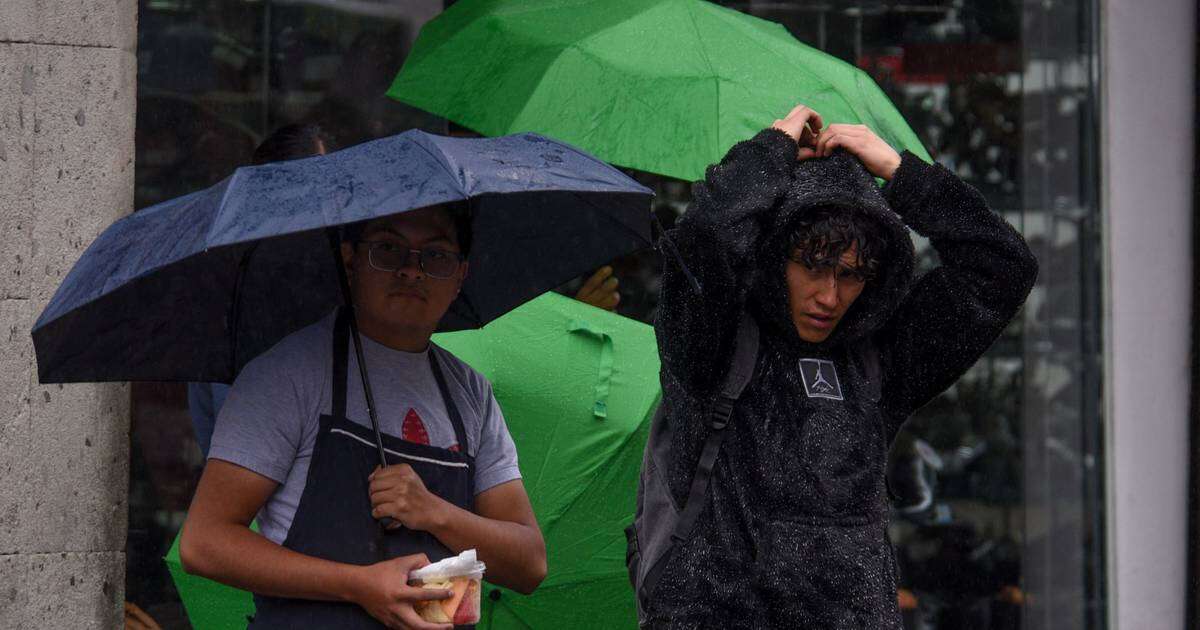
(461, 608)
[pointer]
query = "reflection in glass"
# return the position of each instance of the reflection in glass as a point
(997, 486)
(214, 78)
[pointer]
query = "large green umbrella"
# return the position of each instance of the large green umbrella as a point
(664, 86)
(578, 387)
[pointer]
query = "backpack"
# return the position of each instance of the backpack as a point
(659, 524)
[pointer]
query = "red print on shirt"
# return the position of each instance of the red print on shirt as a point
(414, 429)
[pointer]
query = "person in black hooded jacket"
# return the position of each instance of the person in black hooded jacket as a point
(791, 228)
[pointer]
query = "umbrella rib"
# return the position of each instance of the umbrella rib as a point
(529, 101)
(616, 222)
(235, 310)
(474, 311)
(567, 508)
(711, 71)
(208, 238)
(442, 163)
(614, 575)
(859, 75)
(541, 473)
(724, 15)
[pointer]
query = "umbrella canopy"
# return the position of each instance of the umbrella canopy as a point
(578, 386)
(664, 86)
(193, 288)
(210, 605)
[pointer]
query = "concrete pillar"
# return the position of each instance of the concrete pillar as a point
(67, 77)
(1147, 127)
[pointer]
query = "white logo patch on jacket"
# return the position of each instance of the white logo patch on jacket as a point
(820, 379)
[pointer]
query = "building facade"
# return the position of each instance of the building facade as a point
(1047, 489)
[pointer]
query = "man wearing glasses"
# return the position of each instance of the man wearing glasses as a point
(293, 447)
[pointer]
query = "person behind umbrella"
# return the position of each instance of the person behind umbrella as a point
(292, 446)
(600, 287)
(289, 142)
(791, 229)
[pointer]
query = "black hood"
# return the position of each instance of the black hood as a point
(839, 181)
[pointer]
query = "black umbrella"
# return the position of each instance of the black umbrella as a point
(193, 288)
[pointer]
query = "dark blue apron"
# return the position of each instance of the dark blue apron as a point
(333, 520)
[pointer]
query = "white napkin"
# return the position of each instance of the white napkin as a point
(464, 563)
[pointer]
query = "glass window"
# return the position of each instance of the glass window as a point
(998, 519)
(214, 78)
(998, 507)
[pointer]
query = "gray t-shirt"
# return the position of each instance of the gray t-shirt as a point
(270, 420)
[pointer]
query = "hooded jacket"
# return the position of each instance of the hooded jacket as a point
(794, 531)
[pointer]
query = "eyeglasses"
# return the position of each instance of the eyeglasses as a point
(392, 257)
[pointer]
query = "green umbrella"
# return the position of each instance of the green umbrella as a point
(210, 605)
(664, 86)
(578, 386)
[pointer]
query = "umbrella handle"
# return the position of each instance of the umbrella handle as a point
(335, 247)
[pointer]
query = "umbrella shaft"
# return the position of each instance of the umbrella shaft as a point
(335, 246)
(362, 371)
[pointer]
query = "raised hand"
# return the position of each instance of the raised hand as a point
(600, 290)
(880, 158)
(803, 125)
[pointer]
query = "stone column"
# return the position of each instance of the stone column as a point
(1148, 126)
(67, 99)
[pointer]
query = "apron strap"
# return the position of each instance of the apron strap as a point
(460, 433)
(341, 341)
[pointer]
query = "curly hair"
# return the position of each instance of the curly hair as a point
(821, 237)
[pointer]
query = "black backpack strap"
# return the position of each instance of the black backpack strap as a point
(745, 354)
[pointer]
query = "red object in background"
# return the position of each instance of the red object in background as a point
(942, 62)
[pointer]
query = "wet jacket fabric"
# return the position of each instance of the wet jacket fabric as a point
(794, 532)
